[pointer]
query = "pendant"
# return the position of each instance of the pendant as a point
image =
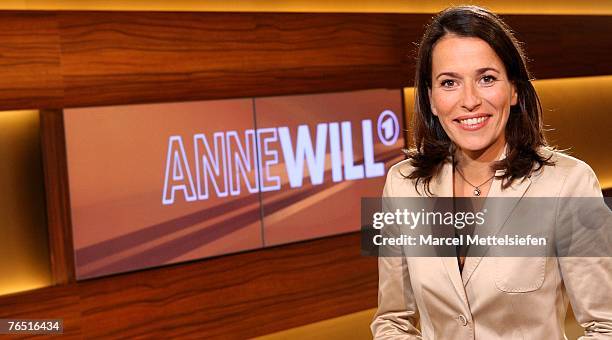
(476, 192)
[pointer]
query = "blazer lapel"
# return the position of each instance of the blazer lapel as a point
(442, 186)
(501, 212)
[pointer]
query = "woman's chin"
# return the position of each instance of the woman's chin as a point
(477, 146)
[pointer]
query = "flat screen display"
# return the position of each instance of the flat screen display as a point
(157, 184)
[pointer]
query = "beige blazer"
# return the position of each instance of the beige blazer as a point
(495, 298)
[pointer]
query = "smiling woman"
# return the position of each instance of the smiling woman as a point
(473, 92)
(478, 132)
(470, 75)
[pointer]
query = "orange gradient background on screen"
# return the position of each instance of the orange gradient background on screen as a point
(116, 164)
(117, 158)
(312, 211)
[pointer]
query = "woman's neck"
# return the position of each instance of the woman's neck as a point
(477, 164)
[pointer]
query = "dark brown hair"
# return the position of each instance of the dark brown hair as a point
(524, 128)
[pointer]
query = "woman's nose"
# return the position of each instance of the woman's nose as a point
(471, 98)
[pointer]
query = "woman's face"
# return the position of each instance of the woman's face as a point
(470, 94)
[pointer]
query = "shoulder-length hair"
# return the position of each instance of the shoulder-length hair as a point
(523, 131)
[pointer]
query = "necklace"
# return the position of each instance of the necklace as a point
(477, 190)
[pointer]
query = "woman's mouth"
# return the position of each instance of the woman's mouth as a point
(472, 123)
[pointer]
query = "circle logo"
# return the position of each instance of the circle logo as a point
(388, 127)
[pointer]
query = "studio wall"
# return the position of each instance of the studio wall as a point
(54, 60)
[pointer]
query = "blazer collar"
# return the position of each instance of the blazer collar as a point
(442, 186)
(501, 212)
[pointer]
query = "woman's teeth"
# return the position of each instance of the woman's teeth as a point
(473, 121)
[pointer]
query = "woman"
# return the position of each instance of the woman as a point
(478, 133)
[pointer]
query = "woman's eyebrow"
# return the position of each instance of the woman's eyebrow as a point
(450, 74)
(485, 69)
(478, 71)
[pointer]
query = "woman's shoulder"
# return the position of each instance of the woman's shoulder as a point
(397, 181)
(400, 169)
(571, 175)
(564, 164)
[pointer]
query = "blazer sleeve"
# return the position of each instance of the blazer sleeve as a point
(397, 315)
(588, 280)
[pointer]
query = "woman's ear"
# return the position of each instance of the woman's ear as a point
(514, 99)
(431, 106)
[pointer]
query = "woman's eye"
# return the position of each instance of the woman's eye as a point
(447, 83)
(488, 79)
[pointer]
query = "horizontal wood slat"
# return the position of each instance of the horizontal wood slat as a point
(72, 59)
(565, 46)
(58, 302)
(30, 73)
(180, 56)
(235, 296)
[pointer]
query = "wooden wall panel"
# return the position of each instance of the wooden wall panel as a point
(124, 58)
(236, 296)
(565, 46)
(50, 59)
(30, 75)
(55, 169)
(59, 302)
(244, 295)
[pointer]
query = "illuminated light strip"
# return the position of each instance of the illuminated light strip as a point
(549, 7)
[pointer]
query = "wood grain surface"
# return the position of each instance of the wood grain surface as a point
(230, 297)
(565, 45)
(57, 196)
(30, 72)
(143, 57)
(74, 59)
(58, 302)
